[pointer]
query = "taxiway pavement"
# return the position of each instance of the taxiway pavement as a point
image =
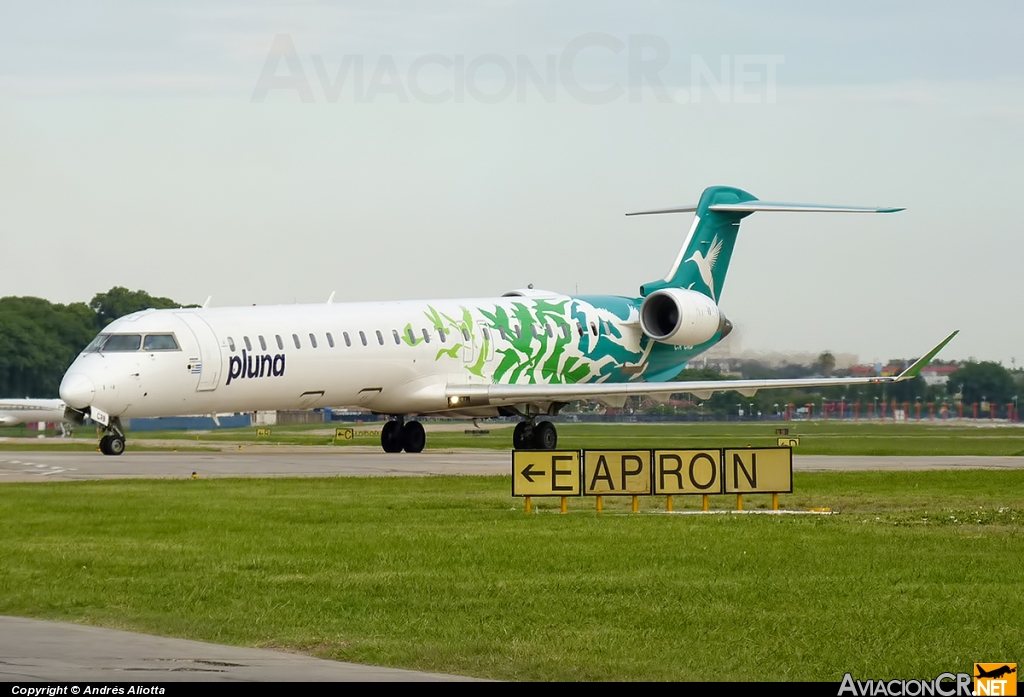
(362, 461)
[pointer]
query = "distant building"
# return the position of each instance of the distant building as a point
(938, 374)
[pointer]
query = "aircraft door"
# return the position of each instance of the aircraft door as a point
(210, 362)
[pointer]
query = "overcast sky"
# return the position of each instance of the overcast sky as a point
(384, 151)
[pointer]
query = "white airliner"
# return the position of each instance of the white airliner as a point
(527, 353)
(25, 411)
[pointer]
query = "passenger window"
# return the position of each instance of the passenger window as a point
(501, 331)
(380, 338)
(231, 344)
(345, 336)
(312, 339)
(362, 337)
(580, 329)
(295, 338)
(533, 330)
(426, 336)
(412, 337)
(263, 343)
(593, 328)
(160, 342)
(248, 346)
(565, 331)
(280, 344)
(550, 332)
(330, 340)
(465, 334)
(398, 339)
(487, 334)
(123, 342)
(440, 333)
(518, 331)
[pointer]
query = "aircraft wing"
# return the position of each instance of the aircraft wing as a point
(615, 393)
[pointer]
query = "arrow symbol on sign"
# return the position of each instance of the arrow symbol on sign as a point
(530, 473)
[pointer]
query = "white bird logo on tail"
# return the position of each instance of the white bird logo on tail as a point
(707, 263)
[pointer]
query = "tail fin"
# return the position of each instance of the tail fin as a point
(704, 258)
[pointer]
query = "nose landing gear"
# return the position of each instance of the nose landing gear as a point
(112, 442)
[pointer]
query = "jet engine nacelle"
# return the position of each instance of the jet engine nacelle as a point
(682, 317)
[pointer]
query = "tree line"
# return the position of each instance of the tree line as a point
(40, 339)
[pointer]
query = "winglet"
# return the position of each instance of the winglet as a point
(207, 303)
(331, 299)
(920, 363)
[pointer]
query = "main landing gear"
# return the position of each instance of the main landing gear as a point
(399, 435)
(112, 442)
(530, 435)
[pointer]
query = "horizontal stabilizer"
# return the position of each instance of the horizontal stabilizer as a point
(767, 206)
(677, 209)
(773, 206)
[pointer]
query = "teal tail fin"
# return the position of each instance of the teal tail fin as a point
(704, 258)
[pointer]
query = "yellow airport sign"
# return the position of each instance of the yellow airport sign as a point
(789, 442)
(758, 471)
(616, 472)
(262, 432)
(344, 434)
(687, 471)
(545, 473)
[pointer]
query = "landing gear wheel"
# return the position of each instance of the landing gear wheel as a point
(112, 444)
(391, 437)
(545, 437)
(116, 445)
(413, 437)
(522, 436)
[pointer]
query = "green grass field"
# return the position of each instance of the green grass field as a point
(919, 573)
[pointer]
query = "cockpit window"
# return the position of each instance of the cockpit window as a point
(160, 342)
(95, 344)
(122, 342)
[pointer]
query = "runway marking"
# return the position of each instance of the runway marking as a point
(56, 470)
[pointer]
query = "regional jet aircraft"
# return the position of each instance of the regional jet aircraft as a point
(525, 354)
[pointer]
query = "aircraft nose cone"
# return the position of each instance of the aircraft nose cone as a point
(77, 390)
